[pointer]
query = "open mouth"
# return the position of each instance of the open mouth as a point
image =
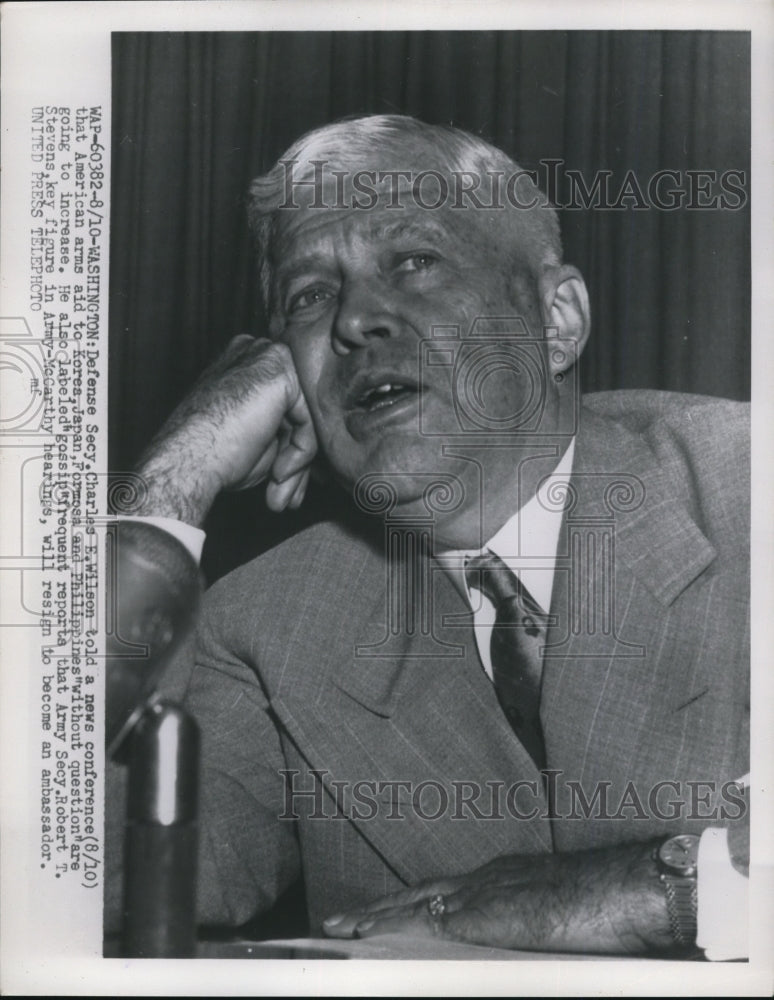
(383, 395)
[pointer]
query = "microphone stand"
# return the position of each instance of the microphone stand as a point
(161, 835)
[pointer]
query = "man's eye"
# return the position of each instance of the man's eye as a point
(417, 262)
(308, 298)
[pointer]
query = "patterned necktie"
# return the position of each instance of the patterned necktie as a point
(517, 636)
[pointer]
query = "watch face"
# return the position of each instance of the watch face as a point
(679, 853)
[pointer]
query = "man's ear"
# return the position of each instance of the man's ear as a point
(566, 315)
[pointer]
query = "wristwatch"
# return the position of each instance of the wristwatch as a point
(676, 860)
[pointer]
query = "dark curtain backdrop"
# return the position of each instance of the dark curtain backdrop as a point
(196, 115)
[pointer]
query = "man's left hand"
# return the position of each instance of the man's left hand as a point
(604, 901)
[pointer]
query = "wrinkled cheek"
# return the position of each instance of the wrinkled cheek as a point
(308, 349)
(500, 389)
(496, 384)
(337, 451)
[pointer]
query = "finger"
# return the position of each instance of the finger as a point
(236, 350)
(289, 461)
(279, 495)
(284, 432)
(298, 497)
(414, 924)
(297, 438)
(458, 922)
(241, 340)
(343, 924)
(260, 470)
(415, 919)
(302, 435)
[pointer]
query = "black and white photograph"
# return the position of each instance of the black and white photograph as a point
(381, 413)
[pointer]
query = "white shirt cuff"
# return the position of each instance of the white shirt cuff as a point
(192, 538)
(722, 900)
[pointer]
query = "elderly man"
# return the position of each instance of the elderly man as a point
(485, 700)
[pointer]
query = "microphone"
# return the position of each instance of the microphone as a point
(154, 590)
(154, 593)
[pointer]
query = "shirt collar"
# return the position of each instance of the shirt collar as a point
(527, 542)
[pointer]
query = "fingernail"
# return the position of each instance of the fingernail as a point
(332, 921)
(364, 927)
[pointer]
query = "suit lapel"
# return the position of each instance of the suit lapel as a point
(620, 481)
(417, 719)
(629, 549)
(622, 522)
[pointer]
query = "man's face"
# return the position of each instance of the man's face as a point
(355, 295)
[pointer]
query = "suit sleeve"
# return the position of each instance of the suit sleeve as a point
(247, 855)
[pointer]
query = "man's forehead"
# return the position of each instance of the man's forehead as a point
(302, 232)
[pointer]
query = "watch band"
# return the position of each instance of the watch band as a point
(682, 906)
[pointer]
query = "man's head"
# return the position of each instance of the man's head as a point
(375, 235)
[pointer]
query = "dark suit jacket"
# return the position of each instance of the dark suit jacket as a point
(645, 681)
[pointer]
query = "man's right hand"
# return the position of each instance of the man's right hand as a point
(245, 419)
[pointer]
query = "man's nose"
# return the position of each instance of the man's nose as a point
(365, 312)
